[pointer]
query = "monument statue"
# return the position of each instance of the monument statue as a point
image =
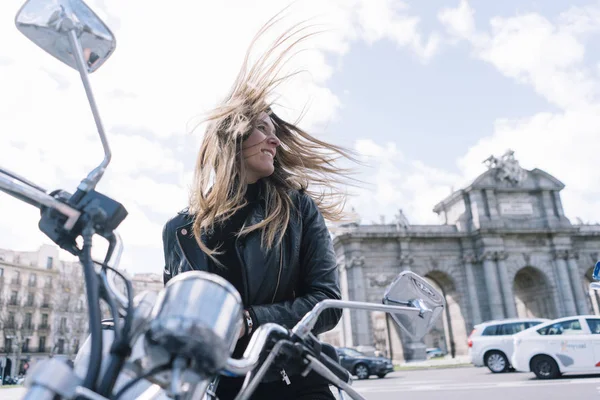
(507, 167)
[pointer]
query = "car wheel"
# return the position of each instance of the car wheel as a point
(361, 371)
(544, 367)
(496, 361)
(381, 376)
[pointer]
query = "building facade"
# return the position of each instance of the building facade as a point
(504, 249)
(43, 309)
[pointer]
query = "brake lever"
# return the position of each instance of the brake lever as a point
(250, 385)
(326, 373)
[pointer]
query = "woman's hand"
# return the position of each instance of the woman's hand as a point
(243, 328)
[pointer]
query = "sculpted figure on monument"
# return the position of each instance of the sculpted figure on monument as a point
(508, 168)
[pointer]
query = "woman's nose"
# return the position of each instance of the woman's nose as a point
(273, 140)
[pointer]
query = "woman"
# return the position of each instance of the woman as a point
(252, 219)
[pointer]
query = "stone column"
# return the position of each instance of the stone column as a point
(565, 283)
(548, 205)
(414, 350)
(492, 204)
(491, 282)
(576, 282)
(360, 319)
(506, 286)
(346, 316)
(405, 260)
(469, 259)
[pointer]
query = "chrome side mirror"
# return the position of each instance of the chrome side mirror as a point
(70, 31)
(47, 23)
(596, 277)
(409, 289)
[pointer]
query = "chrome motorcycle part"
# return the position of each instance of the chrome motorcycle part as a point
(409, 288)
(71, 32)
(198, 316)
(51, 378)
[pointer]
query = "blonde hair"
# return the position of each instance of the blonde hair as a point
(301, 159)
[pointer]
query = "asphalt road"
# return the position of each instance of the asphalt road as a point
(476, 383)
(458, 383)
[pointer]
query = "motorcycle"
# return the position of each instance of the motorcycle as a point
(176, 344)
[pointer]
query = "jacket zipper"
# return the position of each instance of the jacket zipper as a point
(279, 274)
(182, 252)
(245, 296)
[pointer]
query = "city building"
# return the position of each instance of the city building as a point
(43, 307)
(504, 249)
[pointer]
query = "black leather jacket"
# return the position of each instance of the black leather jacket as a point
(280, 285)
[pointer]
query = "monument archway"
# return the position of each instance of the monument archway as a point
(533, 294)
(450, 332)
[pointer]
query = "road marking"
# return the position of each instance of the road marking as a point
(472, 386)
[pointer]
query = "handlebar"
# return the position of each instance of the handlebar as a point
(339, 371)
(36, 196)
(307, 323)
(255, 347)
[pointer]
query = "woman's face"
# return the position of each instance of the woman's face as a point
(259, 149)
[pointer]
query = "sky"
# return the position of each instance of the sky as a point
(423, 91)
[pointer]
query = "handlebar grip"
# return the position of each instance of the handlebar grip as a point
(335, 367)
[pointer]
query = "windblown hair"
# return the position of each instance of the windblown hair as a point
(219, 184)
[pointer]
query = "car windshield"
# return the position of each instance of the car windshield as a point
(570, 327)
(353, 353)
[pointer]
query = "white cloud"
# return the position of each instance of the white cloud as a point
(386, 19)
(459, 21)
(394, 181)
(532, 50)
(550, 57)
(172, 63)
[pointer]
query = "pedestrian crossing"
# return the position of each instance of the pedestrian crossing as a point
(397, 386)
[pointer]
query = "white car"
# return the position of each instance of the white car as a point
(491, 342)
(569, 344)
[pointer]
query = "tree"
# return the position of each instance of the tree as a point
(69, 318)
(17, 327)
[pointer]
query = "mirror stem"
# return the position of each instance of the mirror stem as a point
(306, 325)
(89, 183)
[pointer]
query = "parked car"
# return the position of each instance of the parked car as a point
(363, 366)
(491, 342)
(435, 352)
(568, 344)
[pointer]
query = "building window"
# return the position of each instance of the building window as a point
(46, 301)
(14, 297)
(76, 346)
(42, 345)
(7, 345)
(44, 324)
(28, 324)
(63, 324)
(25, 348)
(60, 346)
(48, 282)
(49, 262)
(45, 320)
(30, 298)
(1, 272)
(10, 323)
(17, 278)
(32, 280)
